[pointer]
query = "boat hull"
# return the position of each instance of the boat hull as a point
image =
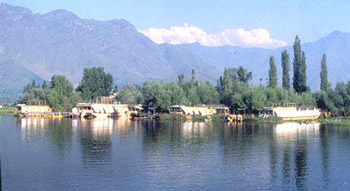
(294, 114)
(299, 118)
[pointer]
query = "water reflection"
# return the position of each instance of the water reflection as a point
(324, 136)
(33, 128)
(38, 130)
(96, 140)
(153, 155)
(293, 138)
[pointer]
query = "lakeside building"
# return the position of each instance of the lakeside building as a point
(203, 110)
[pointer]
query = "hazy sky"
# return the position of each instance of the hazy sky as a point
(261, 23)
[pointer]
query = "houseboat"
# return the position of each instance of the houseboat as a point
(100, 110)
(290, 112)
(33, 110)
(192, 110)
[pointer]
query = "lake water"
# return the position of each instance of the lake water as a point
(65, 154)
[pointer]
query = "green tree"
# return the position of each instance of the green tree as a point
(299, 68)
(95, 82)
(272, 73)
(33, 84)
(44, 85)
(138, 94)
(303, 78)
(33, 94)
(115, 89)
(208, 94)
(176, 93)
(258, 98)
(62, 95)
(323, 101)
(181, 80)
(233, 87)
(191, 93)
(324, 74)
(126, 95)
(193, 75)
(155, 95)
(285, 69)
(297, 65)
(243, 75)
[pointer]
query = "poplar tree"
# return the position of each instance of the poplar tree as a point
(296, 65)
(193, 75)
(303, 78)
(299, 68)
(181, 80)
(285, 68)
(272, 73)
(324, 74)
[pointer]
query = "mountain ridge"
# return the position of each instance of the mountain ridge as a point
(59, 42)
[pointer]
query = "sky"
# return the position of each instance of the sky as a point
(248, 23)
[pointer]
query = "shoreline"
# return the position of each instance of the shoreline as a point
(342, 121)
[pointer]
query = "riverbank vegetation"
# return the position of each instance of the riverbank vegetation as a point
(233, 88)
(7, 110)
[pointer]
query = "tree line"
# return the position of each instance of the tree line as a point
(233, 89)
(334, 100)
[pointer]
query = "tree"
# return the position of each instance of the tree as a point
(181, 80)
(272, 73)
(44, 85)
(35, 93)
(243, 75)
(299, 68)
(155, 95)
(115, 89)
(193, 75)
(191, 93)
(33, 84)
(233, 85)
(176, 93)
(207, 94)
(296, 65)
(258, 98)
(95, 82)
(303, 77)
(324, 75)
(285, 69)
(62, 96)
(126, 95)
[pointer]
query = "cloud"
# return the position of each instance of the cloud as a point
(191, 34)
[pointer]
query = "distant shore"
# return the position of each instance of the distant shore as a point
(342, 121)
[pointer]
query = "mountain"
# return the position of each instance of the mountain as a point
(37, 46)
(13, 77)
(60, 42)
(335, 46)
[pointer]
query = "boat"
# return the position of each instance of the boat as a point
(290, 112)
(98, 110)
(202, 110)
(33, 109)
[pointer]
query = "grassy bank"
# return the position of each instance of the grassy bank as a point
(332, 121)
(7, 110)
(335, 121)
(168, 117)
